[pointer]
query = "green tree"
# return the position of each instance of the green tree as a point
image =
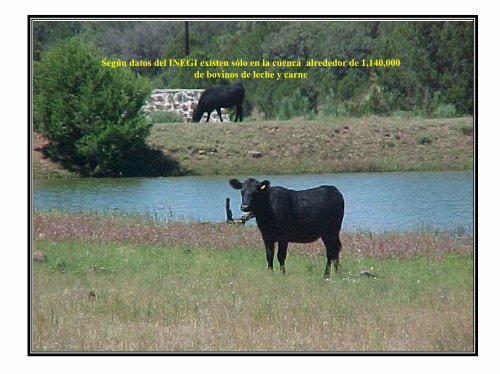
(46, 33)
(89, 113)
(437, 60)
(137, 40)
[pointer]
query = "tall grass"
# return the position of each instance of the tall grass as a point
(139, 229)
(205, 287)
(184, 299)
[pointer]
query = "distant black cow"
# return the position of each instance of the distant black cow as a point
(285, 216)
(215, 98)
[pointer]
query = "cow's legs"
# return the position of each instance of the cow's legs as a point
(333, 248)
(220, 114)
(208, 116)
(269, 254)
(282, 247)
(239, 113)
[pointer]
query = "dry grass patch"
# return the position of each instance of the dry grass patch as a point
(320, 146)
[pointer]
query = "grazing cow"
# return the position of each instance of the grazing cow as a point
(285, 216)
(215, 98)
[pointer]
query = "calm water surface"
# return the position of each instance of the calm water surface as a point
(374, 201)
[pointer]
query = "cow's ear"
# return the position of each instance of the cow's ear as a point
(265, 184)
(236, 184)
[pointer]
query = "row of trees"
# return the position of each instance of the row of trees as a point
(92, 115)
(437, 59)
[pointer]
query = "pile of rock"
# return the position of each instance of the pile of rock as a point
(180, 101)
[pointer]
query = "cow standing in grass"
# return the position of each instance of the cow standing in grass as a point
(285, 215)
(215, 98)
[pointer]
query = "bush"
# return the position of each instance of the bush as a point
(163, 116)
(466, 128)
(445, 111)
(296, 105)
(378, 103)
(424, 139)
(89, 113)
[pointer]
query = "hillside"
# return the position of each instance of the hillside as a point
(43, 167)
(301, 147)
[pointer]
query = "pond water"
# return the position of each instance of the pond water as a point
(374, 201)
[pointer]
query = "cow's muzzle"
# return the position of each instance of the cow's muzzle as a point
(244, 208)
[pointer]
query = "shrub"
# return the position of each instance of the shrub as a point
(445, 111)
(163, 116)
(424, 139)
(89, 113)
(264, 103)
(466, 128)
(378, 102)
(296, 105)
(404, 114)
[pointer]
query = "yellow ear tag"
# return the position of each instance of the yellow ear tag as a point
(263, 187)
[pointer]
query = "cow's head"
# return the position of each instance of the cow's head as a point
(197, 113)
(253, 193)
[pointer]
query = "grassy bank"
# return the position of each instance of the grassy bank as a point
(127, 284)
(298, 146)
(42, 166)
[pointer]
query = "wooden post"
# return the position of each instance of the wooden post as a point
(246, 217)
(186, 37)
(229, 214)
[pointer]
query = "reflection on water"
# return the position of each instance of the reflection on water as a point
(375, 201)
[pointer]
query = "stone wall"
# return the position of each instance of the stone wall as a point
(181, 102)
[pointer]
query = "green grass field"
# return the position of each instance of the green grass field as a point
(205, 287)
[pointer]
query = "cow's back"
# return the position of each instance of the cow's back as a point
(222, 96)
(304, 216)
(318, 211)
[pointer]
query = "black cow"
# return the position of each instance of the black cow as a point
(215, 98)
(285, 216)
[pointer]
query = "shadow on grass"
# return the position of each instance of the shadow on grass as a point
(144, 162)
(151, 162)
